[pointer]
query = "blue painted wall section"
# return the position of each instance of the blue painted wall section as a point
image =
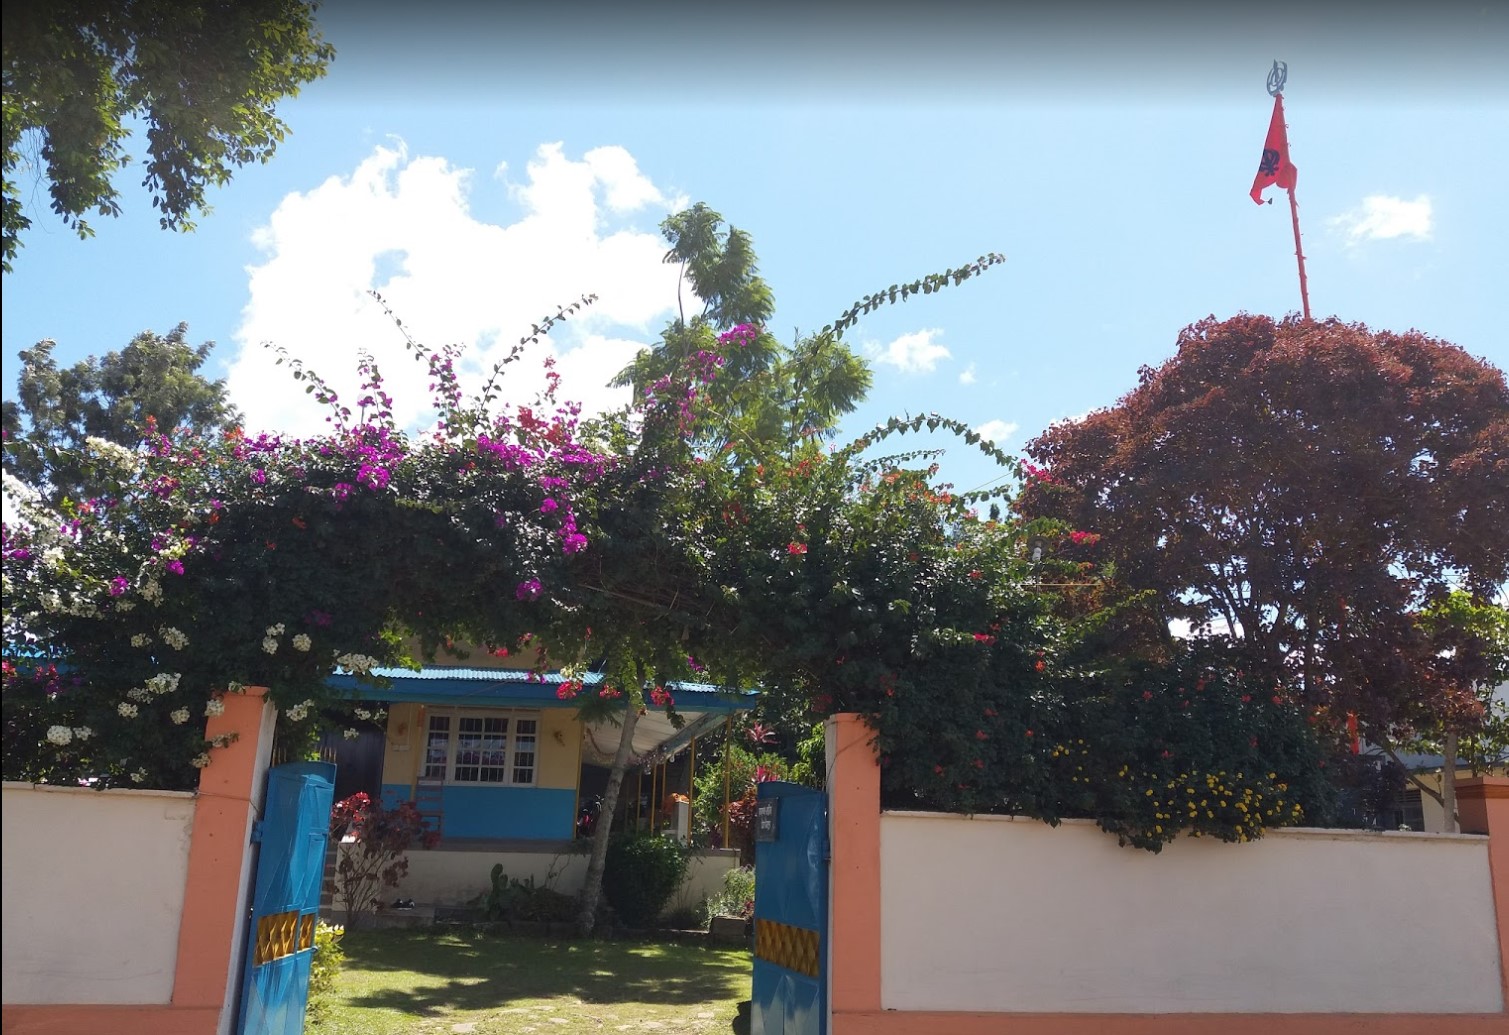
(530, 813)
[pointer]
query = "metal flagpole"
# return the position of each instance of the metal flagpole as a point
(1276, 79)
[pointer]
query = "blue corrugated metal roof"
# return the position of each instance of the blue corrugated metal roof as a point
(457, 685)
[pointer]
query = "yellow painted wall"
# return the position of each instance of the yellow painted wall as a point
(560, 749)
(404, 747)
(558, 746)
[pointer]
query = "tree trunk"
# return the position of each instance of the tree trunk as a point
(1449, 782)
(592, 886)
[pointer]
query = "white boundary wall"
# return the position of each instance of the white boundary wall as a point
(995, 914)
(92, 893)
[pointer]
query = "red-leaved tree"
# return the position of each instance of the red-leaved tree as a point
(1310, 486)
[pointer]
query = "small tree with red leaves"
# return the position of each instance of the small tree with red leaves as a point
(376, 857)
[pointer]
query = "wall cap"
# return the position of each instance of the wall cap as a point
(1323, 833)
(115, 792)
(1483, 787)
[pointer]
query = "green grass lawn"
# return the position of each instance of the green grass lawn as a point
(459, 981)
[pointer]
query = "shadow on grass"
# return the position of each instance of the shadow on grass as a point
(483, 971)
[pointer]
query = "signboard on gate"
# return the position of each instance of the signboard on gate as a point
(767, 819)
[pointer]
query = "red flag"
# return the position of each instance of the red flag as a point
(1275, 169)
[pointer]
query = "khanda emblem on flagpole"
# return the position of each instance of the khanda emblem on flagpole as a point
(1276, 79)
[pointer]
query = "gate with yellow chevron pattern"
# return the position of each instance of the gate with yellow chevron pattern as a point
(791, 911)
(291, 837)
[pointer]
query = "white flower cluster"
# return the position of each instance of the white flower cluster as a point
(126, 459)
(139, 776)
(141, 640)
(152, 591)
(59, 735)
(82, 732)
(163, 683)
(214, 707)
(350, 734)
(179, 716)
(127, 711)
(302, 643)
(19, 492)
(173, 638)
(360, 664)
(74, 603)
(139, 694)
(270, 638)
(363, 714)
(123, 605)
(200, 760)
(298, 712)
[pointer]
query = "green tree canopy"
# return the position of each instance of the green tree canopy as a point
(204, 76)
(155, 378)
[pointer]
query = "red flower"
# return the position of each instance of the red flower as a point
(977, 574)
(1246, 698)
(979, 764)
(938, 770)
(1038, 666)
(984, 638)
(981, 735)
(1029, 733)
(1147, 695)
(796, 548)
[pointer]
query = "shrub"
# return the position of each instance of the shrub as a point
(737, 896)
(643, 871)
(324, 969)
(514, 899)
(377, 860)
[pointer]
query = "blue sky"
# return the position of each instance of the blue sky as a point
(481, 169)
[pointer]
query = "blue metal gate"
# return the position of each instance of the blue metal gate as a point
(790, 995)
(293, 832)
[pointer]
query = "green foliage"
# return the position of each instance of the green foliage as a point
(57, 411)
(737, 895)
(515, 899)
(324, 970)
(811, 766)
(1148, 751)
(643, 871)
(204, 75)
(736, 769)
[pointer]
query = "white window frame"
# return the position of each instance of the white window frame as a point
(454, 716)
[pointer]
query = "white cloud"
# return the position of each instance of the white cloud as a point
(996, 431)
(1381, 217)
(915, 353)
(403, 226)
(1183, 629)
(967, 375)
